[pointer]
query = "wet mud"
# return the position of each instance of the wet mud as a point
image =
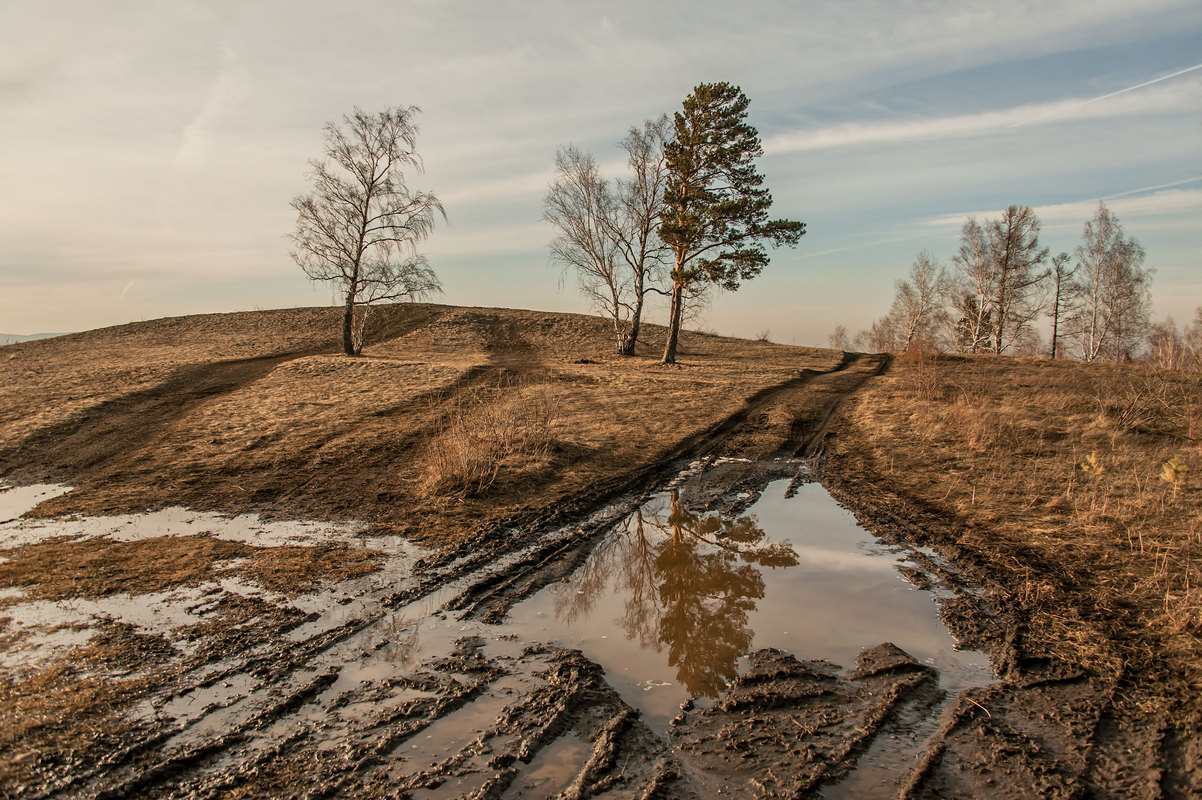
(424, 686)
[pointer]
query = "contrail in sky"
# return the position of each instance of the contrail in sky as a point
(1154, 188)
(1112, 94)
(126, 289)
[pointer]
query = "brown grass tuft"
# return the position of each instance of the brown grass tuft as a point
(61, 569)
(490, 434)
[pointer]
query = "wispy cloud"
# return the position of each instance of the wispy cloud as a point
(222, 92)
(1167, 99)
(1150, 201)
(1119, 92)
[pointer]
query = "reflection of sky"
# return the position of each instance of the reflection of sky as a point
(843, 596)
(170, 521)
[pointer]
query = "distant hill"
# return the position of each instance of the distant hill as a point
(13, 338)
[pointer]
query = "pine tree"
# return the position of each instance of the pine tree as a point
(716, 208)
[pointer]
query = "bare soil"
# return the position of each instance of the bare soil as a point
(1083, 590)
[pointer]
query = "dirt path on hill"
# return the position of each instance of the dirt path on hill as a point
(106, 433)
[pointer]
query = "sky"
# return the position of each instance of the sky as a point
(149, 149)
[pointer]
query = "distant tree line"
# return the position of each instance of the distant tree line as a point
(1001, 282)
(692, 214)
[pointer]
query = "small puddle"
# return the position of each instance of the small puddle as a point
(671, 600)
(552, 770)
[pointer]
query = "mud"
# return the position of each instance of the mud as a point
(421, 687)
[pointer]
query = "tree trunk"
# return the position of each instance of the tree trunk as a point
(636, 317)
(348, 342)
(674, 317)
(1056, 316)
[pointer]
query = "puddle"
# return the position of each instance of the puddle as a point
(16, 500)
(47, 629)
(172, 521)
(670, 600)
(552, 770)
(669, 603)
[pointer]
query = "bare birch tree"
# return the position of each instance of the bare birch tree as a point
(1166, 346)
(641, 210)
(880, 337)
(1016, 254)
(974, 282)
(1112, 316)
(918, 313)
(918, 303)
(359, 228)
(579, 204)
(608, 235)
(838, 338)
(1192, 341)
(1063, 294)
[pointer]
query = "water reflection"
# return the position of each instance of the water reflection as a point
(691, 580)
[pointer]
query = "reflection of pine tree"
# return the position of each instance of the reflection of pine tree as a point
(705, 597)
(691, 581)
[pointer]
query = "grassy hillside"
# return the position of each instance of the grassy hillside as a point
(1047, 479)
(452, 419)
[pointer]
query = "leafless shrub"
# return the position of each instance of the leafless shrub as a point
(926, 373)
(838, 339)
(1124, 405)
(1176, 396)
(489, 432)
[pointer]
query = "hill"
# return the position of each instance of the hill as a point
(14, 338)
(1042, 495)
(258, 411)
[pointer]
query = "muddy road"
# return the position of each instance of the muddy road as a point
(440, 681)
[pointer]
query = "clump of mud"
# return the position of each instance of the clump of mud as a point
(787, 726)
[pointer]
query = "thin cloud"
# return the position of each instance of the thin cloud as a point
(1119, 92)
(1170, 99)
(1146, 202)
(196, 134)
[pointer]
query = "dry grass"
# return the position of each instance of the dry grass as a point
(62, 569)
(48, 381)
(330, 437)
(1053, 471)
(505, 432)
(68, 706)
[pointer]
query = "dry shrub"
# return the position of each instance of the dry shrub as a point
(488, 432)
(1176, 395)
(924, 374)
